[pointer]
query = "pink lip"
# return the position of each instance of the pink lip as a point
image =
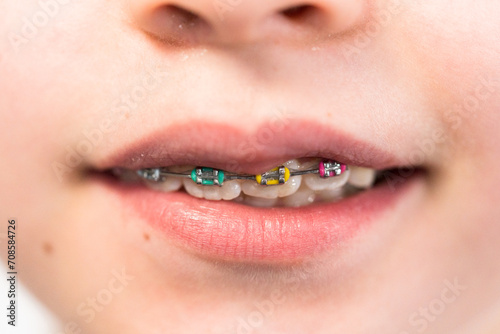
(225, 147)
(235, 232)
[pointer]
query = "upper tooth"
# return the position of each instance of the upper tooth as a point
(169, 184)
(294, 192)
(252, 188)
(292, 164)
(290, 187)
(228, 191)
(315, 182)
(126, 175)
(193, 189)
(362, 177)
(211, 193)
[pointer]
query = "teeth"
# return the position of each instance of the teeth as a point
(292, 164)
(315, 182)
(229, 190)
(303, 196)
(254, 189)
(168, 185)
(125, 175)
(211, 193)
(330, 195)
(260, 202)
(193, 189)
(362, 177)
(290, 187)
(293, 184)
(300, 190)
(251, 188)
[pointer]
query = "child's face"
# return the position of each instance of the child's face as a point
(245, 86)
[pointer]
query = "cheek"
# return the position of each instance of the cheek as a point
(49, 96)
(38, 110)
(457, 44)
(457, 47)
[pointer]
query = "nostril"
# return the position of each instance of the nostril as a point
(176, 24)
(301, 13)
(180, 17)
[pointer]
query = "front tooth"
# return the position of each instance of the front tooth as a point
(168, 185)
(193, 189)
(211, 193)
(228, 191)
(362, 177)
(252, 188)
(293, 184)
(290, 187)
(317, 183)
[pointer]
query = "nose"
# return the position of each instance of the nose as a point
(245, 21)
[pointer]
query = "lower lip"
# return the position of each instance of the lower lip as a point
(229, 231)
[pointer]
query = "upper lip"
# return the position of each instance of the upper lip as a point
(225, 147)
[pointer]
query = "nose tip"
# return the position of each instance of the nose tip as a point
(241, 21)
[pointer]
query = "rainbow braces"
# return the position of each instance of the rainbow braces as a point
(209, 176)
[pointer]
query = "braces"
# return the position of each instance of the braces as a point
(209, 176)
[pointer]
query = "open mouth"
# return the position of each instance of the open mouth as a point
(295, 183)
(202, 190)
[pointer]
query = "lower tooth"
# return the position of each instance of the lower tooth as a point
(362, 177)
(315, 182)
(302, 197)
(331, 195)
(260, 202)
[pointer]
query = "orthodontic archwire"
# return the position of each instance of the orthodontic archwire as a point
(209, 176)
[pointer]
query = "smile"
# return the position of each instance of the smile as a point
(295, 183)
(247, 209)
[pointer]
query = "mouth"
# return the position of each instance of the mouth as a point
(295, 183)
(216, 192)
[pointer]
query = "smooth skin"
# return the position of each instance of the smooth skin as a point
(420, 79)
